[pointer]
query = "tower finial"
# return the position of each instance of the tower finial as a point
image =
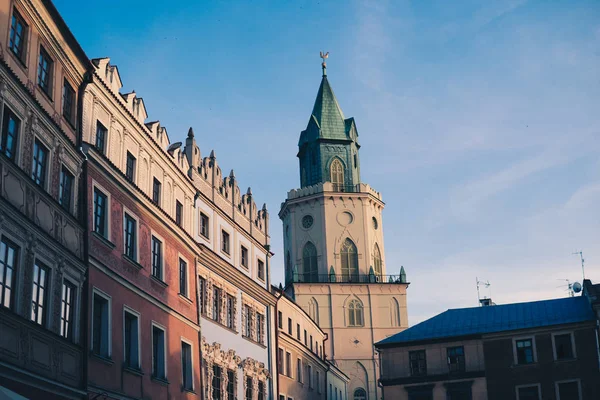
(324, 56)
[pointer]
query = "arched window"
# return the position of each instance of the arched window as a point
(313, 310)
(337, 175)
(360, 394)
(377, 261)
(349, 261)
(288, 265)
(394, 312)
(355, 313)
(310, 272)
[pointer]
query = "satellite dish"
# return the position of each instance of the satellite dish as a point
(577, 287)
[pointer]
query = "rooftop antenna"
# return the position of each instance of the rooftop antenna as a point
(580, 254)
(484, 283)
(569, 287)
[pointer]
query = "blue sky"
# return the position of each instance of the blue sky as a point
(479, 121)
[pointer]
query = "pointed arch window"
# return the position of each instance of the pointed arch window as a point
(355, 313)
(337, 175)
(349, 256)
(377, 263)
(309, 263)
(360, 394)
(313, 310)
(394, 312)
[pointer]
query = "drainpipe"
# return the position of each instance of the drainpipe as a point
(198, 311)
(372, 338)
(328, 365)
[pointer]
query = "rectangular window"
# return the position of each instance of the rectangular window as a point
(298, 332)
(39, 299)
(183, 290)
(157, 258)
(156, 189)
(67, 308)
(280, 319)
(130, 167)
(158, 353)
(231, 385)
(186, 366)
(248, 318)
(130, 237)
(202, 294)
(309, 376)
(244, 257)
(45, 66)
(305, 338)
(10, 133)
(68, 103)
(216, 382)
(249, 388)
(130, 340)
(40, 163)
(18, 36)
(299, 370)
(216, 311)
(100, 216)
(288, 364)
(9, 259)
(418, 363)
(261, 270)
(101, 133)
(280, 361)
(261, 390)
(204, 226)
(225, 242)
(259, 327)
(289, 326)
(568, 390)
(178, 213)
(456, 359)
(524, 351)
(318, 381)
(100, 326)
(66, 189)
(563, 346)
(230, 311)
(528, 393)
(311, 343)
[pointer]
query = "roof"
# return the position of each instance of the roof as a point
(500, 318)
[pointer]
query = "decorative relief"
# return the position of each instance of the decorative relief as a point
(212, 355)
(257, 372)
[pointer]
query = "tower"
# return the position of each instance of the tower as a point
(333, 247)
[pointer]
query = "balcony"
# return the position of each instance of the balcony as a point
(349, 278)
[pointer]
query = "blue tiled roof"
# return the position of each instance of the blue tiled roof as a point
(499, 318)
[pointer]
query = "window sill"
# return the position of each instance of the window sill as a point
(159, 282)
(130, 260)
(104, 240)
(208, 318)
(21, 62)
(183, 297)
(254, 341)
(133, 370)
(105, 360)
(46, 95)
(160, 381)
(71, 124)
(565, 360)
(533, 364)
(187, 390)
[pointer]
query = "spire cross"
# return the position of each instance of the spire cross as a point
(324, 56)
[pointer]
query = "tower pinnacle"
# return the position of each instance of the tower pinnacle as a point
(324, 56)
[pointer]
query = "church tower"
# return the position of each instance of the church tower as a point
(333, 247)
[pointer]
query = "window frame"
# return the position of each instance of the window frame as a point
(533, 347)
(156, 191)
(41, 265)
(179, 213)
(573, 350)
(181, 259)
(100, 127)
(355, 308)
(244, 256)
(536, 385)
(225, 242)
(189, 343)
(107, 214)
(558, 383)
(138, 317)
(410, 363)
(230, 312)
(260, 266)
(130, 168)
(64, 170)
(47, 161)
(217, 304)
(154, 237)
(108, 298)
(49, 71)
(136, 247)
(158, 326)
(72, 117)
(7, 111)
(69, 332)
(299, 374)
(461, 365)
(204, 228)
(8, 242)
(21, 55)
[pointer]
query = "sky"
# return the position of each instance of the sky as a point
(479, 121)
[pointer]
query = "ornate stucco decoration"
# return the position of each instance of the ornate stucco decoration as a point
(213, 355)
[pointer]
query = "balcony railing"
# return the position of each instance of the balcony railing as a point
(345, 188)
(348, 278)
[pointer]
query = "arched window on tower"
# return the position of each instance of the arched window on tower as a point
(355, 313)
(377, 263)
(360, 394)
(394, 312)
(337, 175)
(288, 266)
(310, 272)
(349, 261)
(313, 310)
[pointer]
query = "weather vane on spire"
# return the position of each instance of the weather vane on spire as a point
(324, 56)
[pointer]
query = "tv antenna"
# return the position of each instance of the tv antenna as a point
(484, 283)
(572, 288)
(580, 254)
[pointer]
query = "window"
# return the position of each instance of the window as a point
(156, 188)
(39, 300)
(66, 189)
(349, 256)
(158, 353)
(249, 388)
(280, 361)
(18, 36)
(318, 381)
(261, 270)
(288, 364)
(299, 370)
(531, 392)
(40, 163)
(394, 312)
(204, 225)
(355, 313)
(225, 242)
(100, 216)
(456, 359)
(377, 263)
(289, 326)
(130, 237)
(248, 318)
(45, 66)
(68, 99)
(563, 346)
(524, 351)
(309, 263)
(131, 340)
(309, 376)
(130, 167)
(261, 390)
(459, 390)
(10, 133)
(216, 310)
(178, 213)
(9, 259)
(216, 382)
(298, 332)
(156, 258)
(101, 132)
(313, 310)
(183, 289)
(259, 327)
(186, 366)
(305, 338)
(359, 394)
(568, 390)
(279, 319)
(244, 257)
(311, 343)
(231, 385)
(337, 175)
(66, 310)
(230, 312)
(418, 363)
(202, 294)
(101, 326)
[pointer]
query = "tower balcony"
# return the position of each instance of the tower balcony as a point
(350, 278)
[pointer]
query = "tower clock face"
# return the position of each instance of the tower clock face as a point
(307, 221)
